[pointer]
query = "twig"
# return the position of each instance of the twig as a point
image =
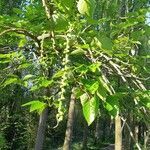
(131, 134)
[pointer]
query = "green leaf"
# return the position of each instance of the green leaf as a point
(27, 77)
(17, 11)
(104, 42)
(22, 42)
(90, 109)
(5, 55)
(58, 74)
(4, 61)
(78, 92)
(35, 105)
(46, 83)
(108, 106)
(102, 93)
(145, 101)
(81, 69)
(67, 4)
(112, 105)
(40, 83)
(104, 84)
(60, 22)
(86, 7)
(84, 98)
(90, 85)
(35, 87)
(24, 65)
(78, 52)
(10, 80)
(95, 66)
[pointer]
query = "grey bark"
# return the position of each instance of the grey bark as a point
(70, 122)
(118, 133)
(41, 130)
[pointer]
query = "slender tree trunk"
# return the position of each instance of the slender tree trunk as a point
(147, 139)
(136, 131)
(97, 130)
(128, 139)
(70, 122)
(85, 136)
(41, 130)
(118, 133)
(104, 126)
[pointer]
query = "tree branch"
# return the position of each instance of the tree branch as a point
(21, 31)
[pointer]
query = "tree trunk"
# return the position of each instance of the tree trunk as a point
(127, 141)
(136, 131)
(118, 133)
(97, 130)
(70, 122)
(147, 139)
(85, 135)
(41, 130)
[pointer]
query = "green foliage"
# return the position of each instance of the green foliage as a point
(90, 107)
(90, 85)
(85, 44)
(36, 105)
(11, 80)
(112, 105)
(2, 141)
(41, 82)
(60, 22)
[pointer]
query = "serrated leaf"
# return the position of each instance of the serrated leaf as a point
(90, 109)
